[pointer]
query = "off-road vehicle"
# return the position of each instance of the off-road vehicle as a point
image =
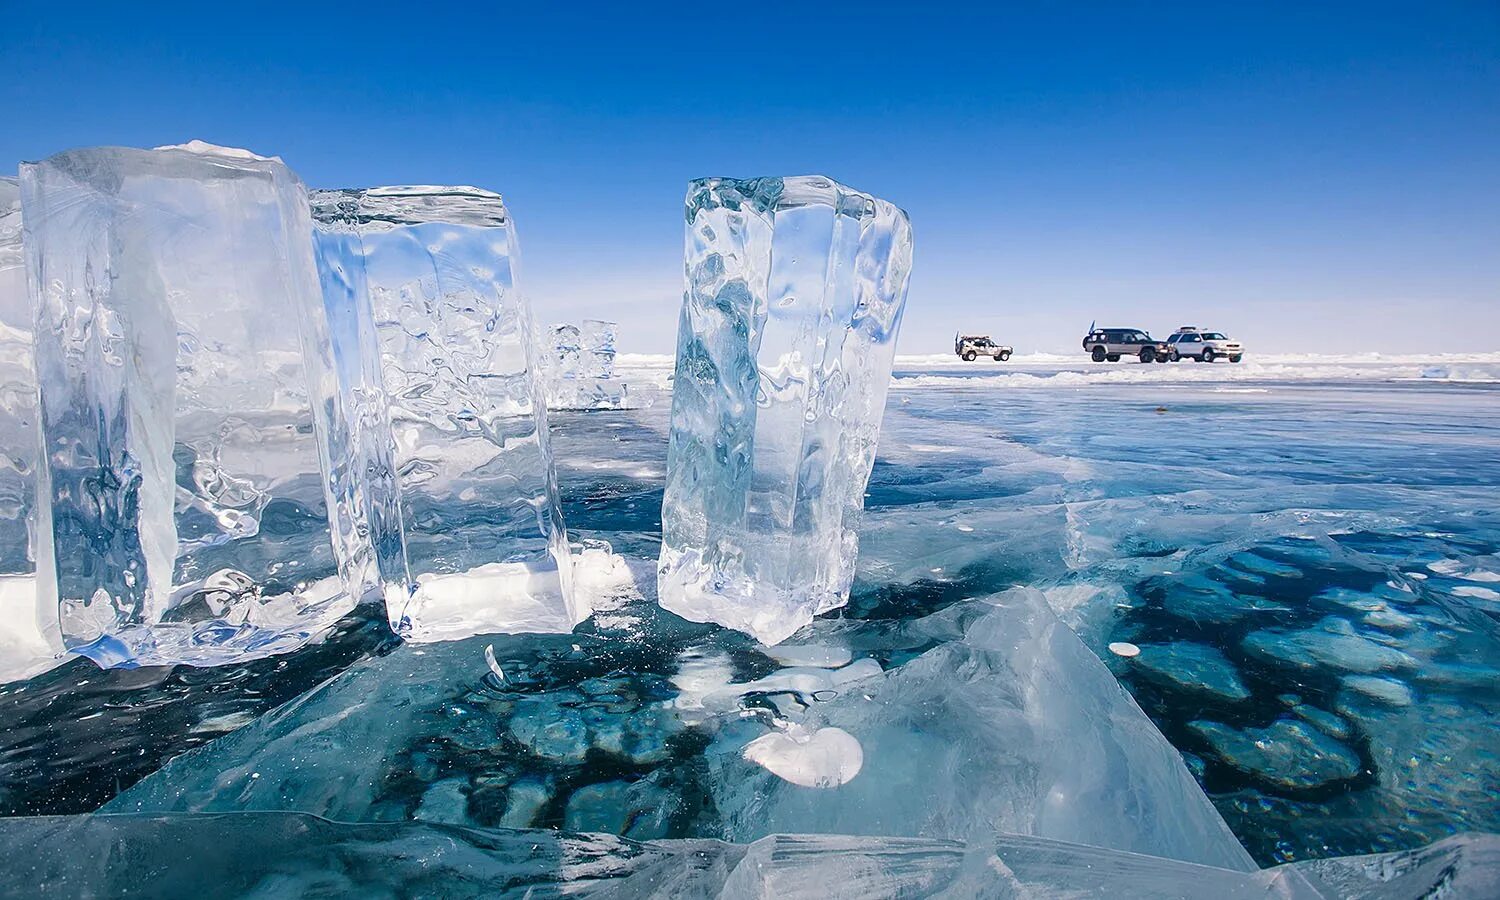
(972, 346)
(1204, 346)
(1112, 343)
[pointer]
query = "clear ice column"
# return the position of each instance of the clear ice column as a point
(795, 289)
(197, 501)
(29, 638)
(471, 538)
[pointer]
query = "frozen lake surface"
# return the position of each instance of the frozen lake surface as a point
(1291, 564)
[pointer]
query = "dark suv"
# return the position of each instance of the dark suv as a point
(1113, 343)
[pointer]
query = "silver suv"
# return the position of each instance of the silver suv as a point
(970, 346)
(1204, 346)
(1112, 343)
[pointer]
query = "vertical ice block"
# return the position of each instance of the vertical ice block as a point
(795, 288)
(580, 368)
(597, 343)
(29, 639)
(472, 540)
(192, 470)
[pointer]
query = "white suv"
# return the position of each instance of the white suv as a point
(1204, 346)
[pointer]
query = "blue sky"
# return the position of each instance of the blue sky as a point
(1308, 177)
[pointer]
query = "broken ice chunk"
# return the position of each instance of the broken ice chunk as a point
(464, 507)
(795, 289)
(190, 499)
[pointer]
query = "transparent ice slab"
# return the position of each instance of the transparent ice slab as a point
(298, 855)
(795, 289)
(192, 482)
(987, 716)
(29, 638)
(580, 368)
(422, 280)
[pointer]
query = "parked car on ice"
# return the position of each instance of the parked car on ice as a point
(971, 346)
(1203, 346)
(1112, 343)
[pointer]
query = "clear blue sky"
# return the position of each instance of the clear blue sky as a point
(1306, 176)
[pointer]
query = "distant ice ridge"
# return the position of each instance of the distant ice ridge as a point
(580, 369)
(1055, 370)
(795, 290)
(187, 406)
(428, 320)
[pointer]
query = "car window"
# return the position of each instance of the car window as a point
(1174, 338)
(1191, 338)
(1213, 336)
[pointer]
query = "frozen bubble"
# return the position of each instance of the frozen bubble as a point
(826, 758)
(1124, 648)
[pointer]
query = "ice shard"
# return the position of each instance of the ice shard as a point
(466, 515)
(29, 639)
(192, 472)
(795, 289)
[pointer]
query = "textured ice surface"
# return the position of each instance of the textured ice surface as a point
(795, 289)
(1304, 558)
(987, 716)
(1238, 520)
(465, 513)
(297, 855)
(188, 407)
(29, 638)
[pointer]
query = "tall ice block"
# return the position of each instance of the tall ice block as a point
(29, 638)
(198, 504)
(469, 530)
(795, 289)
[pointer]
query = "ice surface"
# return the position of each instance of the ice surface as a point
(188, 407)
(986, 716)
(297, 855)
(466, 516)
(29, 638)
(795, 289)
(1302, 557)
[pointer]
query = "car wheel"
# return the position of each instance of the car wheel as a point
(1098, 354)
(1175, 356)
(1208, 355)
(969, 356)
(1002, 357)
(1234, 359)
(1113, 357)
(1148, 355)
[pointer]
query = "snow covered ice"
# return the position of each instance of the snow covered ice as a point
(184, 368)
(428, 319)
(795, 290)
